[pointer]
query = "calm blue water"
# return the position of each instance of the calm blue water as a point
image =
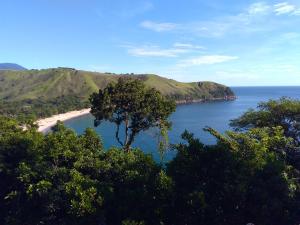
(193, 117)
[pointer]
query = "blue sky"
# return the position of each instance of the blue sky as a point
(237, 43)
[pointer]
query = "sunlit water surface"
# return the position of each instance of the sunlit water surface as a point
(192, 117)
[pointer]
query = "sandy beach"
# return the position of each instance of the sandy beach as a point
(46, 123)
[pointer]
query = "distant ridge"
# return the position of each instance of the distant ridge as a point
(46, 92)
(11, 66)
(58, 82)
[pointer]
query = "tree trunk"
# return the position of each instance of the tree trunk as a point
(117, 135)
(126, 141)
(130, 140)
(126, 130)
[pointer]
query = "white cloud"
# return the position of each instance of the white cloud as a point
(258, 8)
(250, 20)
(278, 9)
(206, 60)
(289, 69)
(155, 51)
(284, 8)
(158, 27)
(296, 12)
(216, 27)
(244, 75)
(290, 36)
(176, 50)
(187, 46)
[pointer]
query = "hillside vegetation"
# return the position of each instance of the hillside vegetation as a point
(50, 91)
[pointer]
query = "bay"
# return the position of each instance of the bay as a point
(192, 117)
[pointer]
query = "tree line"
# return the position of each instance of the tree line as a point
(32, 109)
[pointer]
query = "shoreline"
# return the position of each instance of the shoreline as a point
(192, 101)
(46, 123)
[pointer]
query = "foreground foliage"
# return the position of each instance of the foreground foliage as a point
(62, 178)
(68, 179)
(237, 181)
(285, 113)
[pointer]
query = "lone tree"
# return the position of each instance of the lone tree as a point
(130, 104)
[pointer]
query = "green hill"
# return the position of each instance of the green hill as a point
(50, 91)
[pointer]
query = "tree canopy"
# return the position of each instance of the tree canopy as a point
(284, 112)
(240, 180)
(64, 178)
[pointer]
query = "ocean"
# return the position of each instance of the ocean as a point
(192, 117)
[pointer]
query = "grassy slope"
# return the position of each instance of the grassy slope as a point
(48, 85)
(51, 83)
(183, 91)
